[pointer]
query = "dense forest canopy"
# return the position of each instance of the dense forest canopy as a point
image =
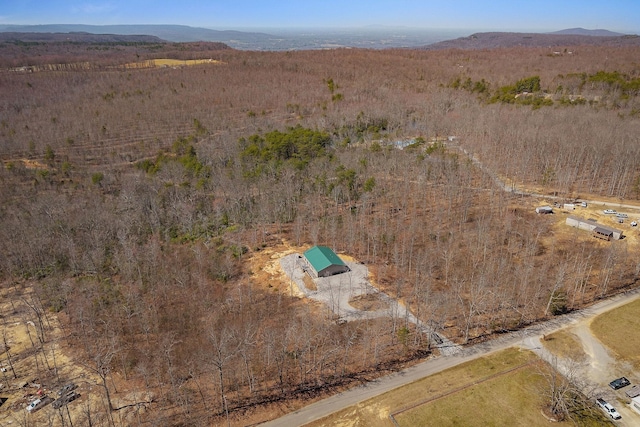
(133, 202)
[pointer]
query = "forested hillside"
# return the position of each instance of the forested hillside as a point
(134, 203)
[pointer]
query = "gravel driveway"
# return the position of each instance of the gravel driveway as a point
(594, 373)
(336, 291)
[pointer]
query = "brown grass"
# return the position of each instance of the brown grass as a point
(564, 344)
(375, 411)
(165, 62)
(615, 329)
(309, 283)
(368, 302)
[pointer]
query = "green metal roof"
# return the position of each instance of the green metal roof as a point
(322, 257)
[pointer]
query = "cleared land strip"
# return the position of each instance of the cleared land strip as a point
(361, 393)
(456, 390)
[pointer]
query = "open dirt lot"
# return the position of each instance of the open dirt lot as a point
(33, 368)
(36, 363)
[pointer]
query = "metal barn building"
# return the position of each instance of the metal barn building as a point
(324, 262)
(600, 231)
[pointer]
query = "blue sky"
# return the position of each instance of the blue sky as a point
(500, 15)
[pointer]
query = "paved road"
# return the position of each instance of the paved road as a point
(351, 397)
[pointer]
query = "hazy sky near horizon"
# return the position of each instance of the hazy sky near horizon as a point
(498, 15)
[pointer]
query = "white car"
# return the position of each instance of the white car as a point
(633, 223)
(609, 211)
(621, 215)
(31, 406)
(610, 410)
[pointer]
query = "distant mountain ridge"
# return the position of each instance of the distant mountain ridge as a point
(493, 40)
(172, 33)
(77, 37)
(584, 32)
(310, 40)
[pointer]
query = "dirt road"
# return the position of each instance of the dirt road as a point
(512, 188)
(351, 397)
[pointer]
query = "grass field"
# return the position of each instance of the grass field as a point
(498, 401)
(565, 344)
(616, 329)
(499, 389)
(165, 62)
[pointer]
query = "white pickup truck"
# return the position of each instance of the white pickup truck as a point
(610, 410)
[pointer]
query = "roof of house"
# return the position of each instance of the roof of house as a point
(322, 257)
(577, 218)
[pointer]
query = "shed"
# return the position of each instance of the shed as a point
(633, 392)
(324, 262)
(602, 233)
(544, 210)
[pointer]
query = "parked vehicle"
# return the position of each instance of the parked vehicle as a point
(633, 223)
(33, 405)
(63, 400)
(619, 383)
(66, 388)
(610, 410)
(609, 212)
(583, 204)
(622, 215)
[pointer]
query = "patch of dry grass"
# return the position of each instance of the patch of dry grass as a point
(309, 283)
(375, 411)
(615, 329)
(166, 62)
(369, 302)
(565, 345)
(515, 398)
(499, 401)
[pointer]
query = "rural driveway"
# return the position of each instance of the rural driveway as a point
(358, 394)
(592, 374)
(337, 291)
